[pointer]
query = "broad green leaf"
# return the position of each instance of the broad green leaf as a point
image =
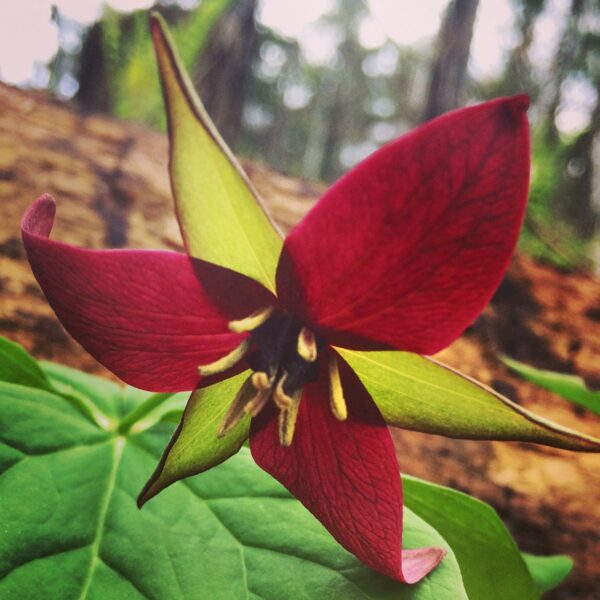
(221, 217)
(71, 528)
(195, 446)
(489, 560)
(17, 366)
(419, 393)
(571, 387)
(152, 410)
(548, 572)
(104, 402)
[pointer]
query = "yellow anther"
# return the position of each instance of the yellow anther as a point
(258, 402)
(261, 381)
(252, 322)
(236, 409)
(307, 345)
(287, 420)
(226, 362)
(336, 393)
(281, 399)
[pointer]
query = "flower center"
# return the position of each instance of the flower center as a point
(283, 354)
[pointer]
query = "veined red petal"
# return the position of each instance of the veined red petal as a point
(151, 317)
(408, 247)
(346, 474)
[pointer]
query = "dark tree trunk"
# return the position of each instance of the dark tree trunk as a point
(93, 92)
(224, 68)
(449, 69)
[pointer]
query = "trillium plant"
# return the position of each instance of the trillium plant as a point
(311, 346)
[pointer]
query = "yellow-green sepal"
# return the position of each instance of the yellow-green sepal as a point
(416, 392)
(221, 217)
(195, 447)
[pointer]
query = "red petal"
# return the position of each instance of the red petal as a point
(151, 317)
(346, 474)
(408, 247)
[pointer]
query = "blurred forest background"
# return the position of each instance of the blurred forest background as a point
(312, 98)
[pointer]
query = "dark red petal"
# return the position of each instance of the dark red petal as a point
(408, 247)
(151, 317)
(346, 474)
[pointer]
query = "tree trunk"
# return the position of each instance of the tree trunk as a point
(224, 67)
(111, 184)
(449, 69)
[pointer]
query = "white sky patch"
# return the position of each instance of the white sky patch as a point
(371, 34)
(352, 154)
(408, 22)
(578, 98)
(290, 18)
(319, 42)
(296, 96)
(493, 37)
(546, 33)
(27, 37)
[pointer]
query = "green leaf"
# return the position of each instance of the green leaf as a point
(221, 217)
(92, 395)
(152, 410)
(489, 560)
(71, 528)
(17, 366)
(570, 387)
(548, 572)
(195, 447)
(419, 393)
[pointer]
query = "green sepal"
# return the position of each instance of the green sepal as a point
(195, 447)
(221, 217)
(419, 393)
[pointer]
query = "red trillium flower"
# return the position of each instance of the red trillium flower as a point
(310, 346)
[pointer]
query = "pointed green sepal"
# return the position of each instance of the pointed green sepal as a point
(195, 447)
(220, 214)
(419, 393)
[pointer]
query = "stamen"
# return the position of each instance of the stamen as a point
(336, 392)
(236, 409)
(226, 362)
(287, 420)
(252, 322)
(281, 399)
(258, 402)
(261, 381)
(307, 345)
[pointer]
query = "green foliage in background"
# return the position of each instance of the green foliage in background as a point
(545, 235)
(570, 387)
(134, 90)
